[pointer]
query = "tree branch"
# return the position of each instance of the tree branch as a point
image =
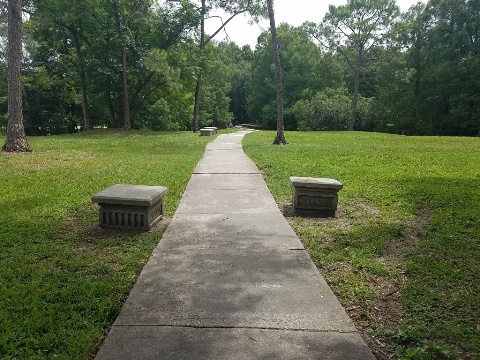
(225, 24)
(344, 54)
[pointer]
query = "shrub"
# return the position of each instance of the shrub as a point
(330, 110)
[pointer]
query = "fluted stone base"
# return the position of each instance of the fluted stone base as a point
(130, 206)
(315, 196)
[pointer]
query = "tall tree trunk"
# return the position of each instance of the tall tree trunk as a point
(137, 100)
(87, 125)
(416, 50)
(203, 42)
(127, 124)
(112, 120)
(196, 109)
(198, 88)
(356, 88)
(16, 140)
(280, 138)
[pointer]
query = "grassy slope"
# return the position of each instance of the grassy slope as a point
(61, 279)
(403, 253)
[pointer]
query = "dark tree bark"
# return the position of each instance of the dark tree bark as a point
(203, 43)
(196, 109)
(16, 140)
(87, 125)
(127, 124)
(360, 25)
(280, 138)
(112, 120)
(356, 89)
(198, 88)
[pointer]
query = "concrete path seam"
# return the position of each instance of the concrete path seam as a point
(238, 327)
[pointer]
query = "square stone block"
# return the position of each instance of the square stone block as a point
(207, 132)
(130, 206)
(214, 128)
(315, 195)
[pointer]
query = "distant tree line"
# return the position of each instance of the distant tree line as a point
(138, 64)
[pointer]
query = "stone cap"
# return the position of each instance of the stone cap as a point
(131, 195)
(309, 182)
(211, 127)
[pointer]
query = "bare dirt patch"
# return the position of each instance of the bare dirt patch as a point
(92, 234)
(387, 311)
(384, 311)
(414, 231)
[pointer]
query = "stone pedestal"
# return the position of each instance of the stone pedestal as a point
(214, 128)
(130, 206)
(315, 196)
(207, 132)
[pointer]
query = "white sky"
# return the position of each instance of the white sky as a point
(294, 12)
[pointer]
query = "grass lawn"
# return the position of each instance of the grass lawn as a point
(403, 253)
(62, 279)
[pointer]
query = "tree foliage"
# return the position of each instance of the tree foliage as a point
(125, 63)
(353, 30)
(330, 110)
(306, 70)
(233, 8)
(431, 86)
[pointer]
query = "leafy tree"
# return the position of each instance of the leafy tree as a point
(233, 7)
(125, 13)
(330, 110)
(450, 76)
(16, 140)
(327, 110)
(150, 32)
(76, 18)
(239, 66)
(353, 30)
(430, 83)
(214, 100)
(400, 71)
(305, 70)
(53, 76)
(51, 89)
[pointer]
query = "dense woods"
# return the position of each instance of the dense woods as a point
(137, 64)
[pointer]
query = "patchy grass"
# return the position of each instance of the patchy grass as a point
(62, 279)
(403, 252)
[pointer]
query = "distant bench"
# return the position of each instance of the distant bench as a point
(207, 132)
(212, 127)
(130, 206)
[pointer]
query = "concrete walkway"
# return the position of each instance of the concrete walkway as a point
(230, 279)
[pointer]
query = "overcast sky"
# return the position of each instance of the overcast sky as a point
(294, 12)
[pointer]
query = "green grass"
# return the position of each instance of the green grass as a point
(62, 280)
(403, 253)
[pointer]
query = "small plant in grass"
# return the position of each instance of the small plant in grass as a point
(405, 346)
(426, 351)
